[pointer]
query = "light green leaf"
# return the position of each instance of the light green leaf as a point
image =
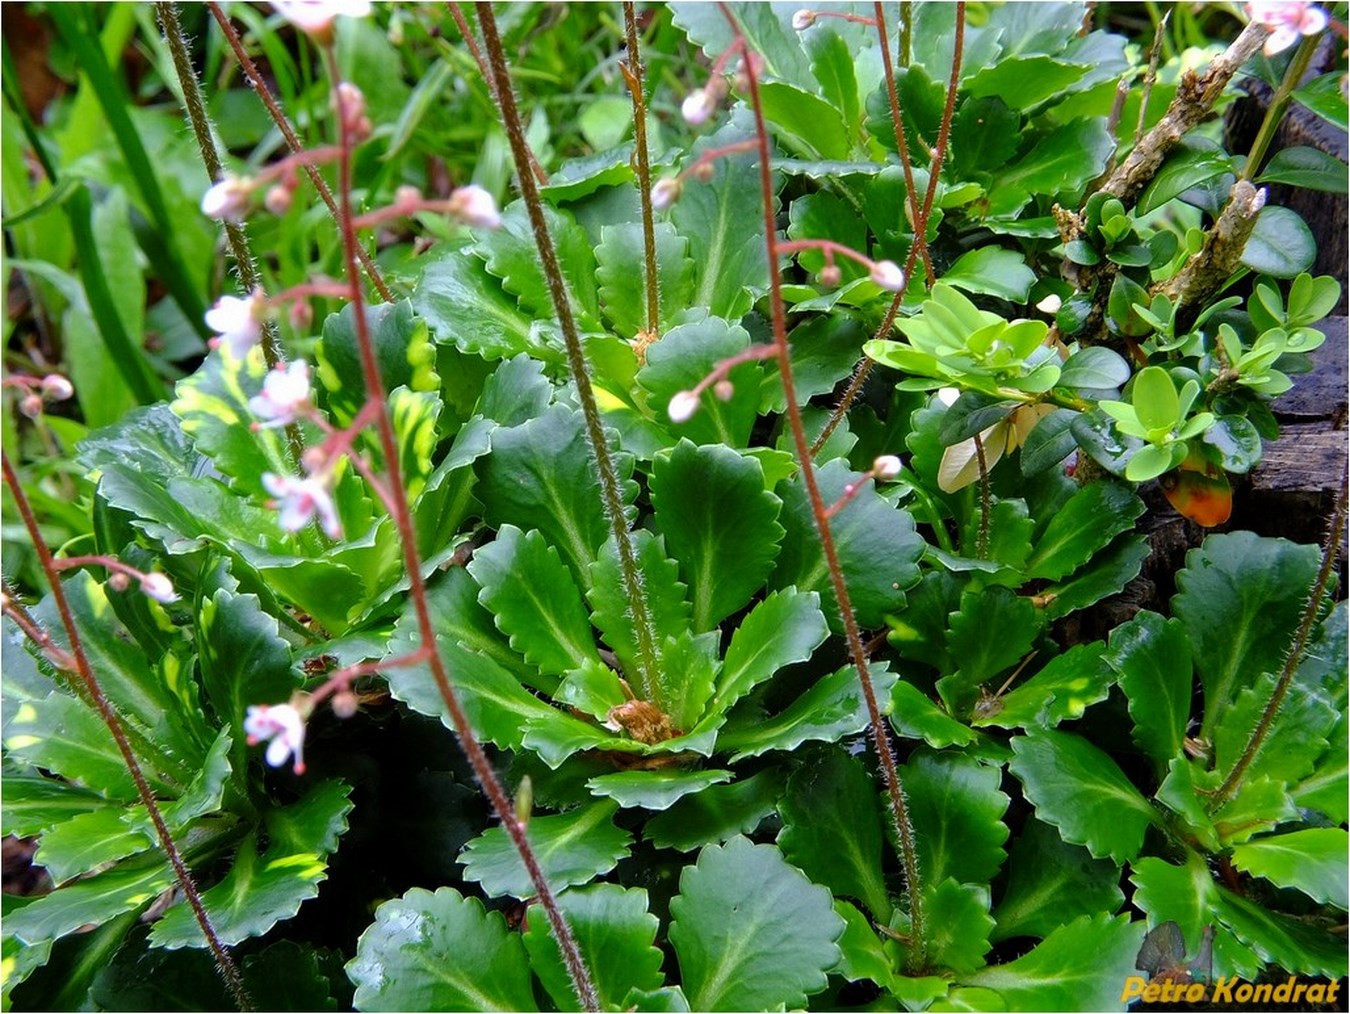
(957, 801)
(717, 813)
(1311, 860)
(622, 274)
(439, 951)
(992, 271)
(571, 848)
(667, 600)
(124, 888)
(1051, 883)
(750, 931)
(992, 631)
(786, 627)
(510, 253)
(1064, 688)
(1093, 516)
(1153, 658)
(914, 716)
(654, 790)
(682, 358)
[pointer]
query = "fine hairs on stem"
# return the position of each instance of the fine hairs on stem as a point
(224, 961)
(920, 245)
(904, 828)
(647, 659)
(487, 777)
(635, 75)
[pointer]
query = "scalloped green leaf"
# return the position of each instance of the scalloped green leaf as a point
(667, 596)
(213, 405)
(1107, 573)
(466, 307)
(440, 951)
(1091, 518)
(1240, 598)
(717, 813)
(64, 736)
(833, 708)
(914, 716)
(1187, 896)
(1080, 790)
(263, 888)
(832, 829)
(956, 799)
(682, 358)
(1078, 967)
(616, 936)
(785, 627)
(1295, 737)
(992, 271)
(541, 475)
(33, 803)
(403, 350)
(571, 848)
(126, 887)
(1027, 80)
(720, 524)
(534, 600)
(862, 954)
(1153, 658)
(1065, 687)
(879, 549)
(1051, 882)
(1061, 162)
(750, 931)
(1311, 860)
(958, 917)
(621, 272)
(511, 255)
(654, 790)
(992, 631)
(1299, 946)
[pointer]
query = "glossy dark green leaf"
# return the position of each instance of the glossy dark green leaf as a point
(1080, 790)
(440, 951)
(832, 64)
(833, 708)
(764, 27)
(993, 630)
(720, 524)
(750, 931)
(959, 926)
(402, 346)
(87, 841)
(465, 306)
(34, 803)
(1049, 443)
(723, 221)
(1239, 598)
(832, 828)
(1051, 883)
(812, 120)
(1095, 368)
(1192, 164)
(1188, 896)
(1282, 940)
(1323, 95)
(534, 600)
(65, 737)
(615, 934)
(126, 887)
(971, 413)
(571, 848)
(878, 547)
(717, 813)
(862, 954)
(957, 799)
(1061, 162)
(1281, 245)
(621, 272)
(266, 886)
(1093, 516)
(823, 216)
(1306, 167)
(541, 475)
(1237, 441)
(786, 627)
(1106, 574)
(1153, 658)
(985, 135)
(1025, 80)
(1079, 966)
(682, 358)
(1304, 721)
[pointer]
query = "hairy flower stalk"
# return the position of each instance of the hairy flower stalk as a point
(482, 767)
(225, 965)
(904, 829)
(634, 589)
(635, 75)
(920, 215)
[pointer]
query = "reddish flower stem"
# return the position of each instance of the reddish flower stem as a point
(292, 141)
(881, 739)
(225, 964)
(864, 367)
(478, 758)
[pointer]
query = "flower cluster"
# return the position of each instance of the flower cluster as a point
(1287, 20)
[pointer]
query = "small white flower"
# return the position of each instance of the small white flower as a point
(698, 107)
(682, 406)
(887, 466)
(665, 193)
(316, 17)
(474, 206)
(888, 275)
(159, 587)
(229, 199)
(281, 724)
(285, 392)
(302, 499)
(803, 20)
(56, 387)
(238, 322)
(1287, 19)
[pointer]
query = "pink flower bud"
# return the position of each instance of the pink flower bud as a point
(887, 466)
(407, 199)
(830, 275)
(474, 206)
(665, 193)
(803, 20)
(682, 406)
(31, 405)
(724, 390)
(229, 199)
(118, 581)
(345, 704)
(703, 172)
(56, 387)
(158, 587)
(888, 275)
(698, 107)
(278, 200)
